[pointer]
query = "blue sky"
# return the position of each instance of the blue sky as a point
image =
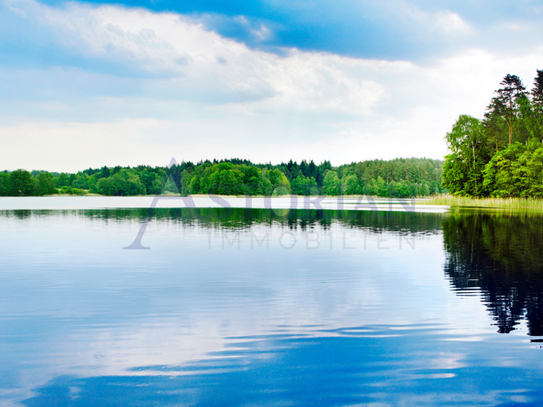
(105, 83)
(364, 29)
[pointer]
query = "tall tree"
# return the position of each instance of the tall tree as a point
(537, 101)
(505, 103)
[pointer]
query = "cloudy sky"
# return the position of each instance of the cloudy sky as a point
(87, 84)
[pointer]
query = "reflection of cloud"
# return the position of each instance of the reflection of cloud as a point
(129, 312)
(184, 309)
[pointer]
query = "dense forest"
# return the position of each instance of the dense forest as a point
(395, 178)
(502, 154)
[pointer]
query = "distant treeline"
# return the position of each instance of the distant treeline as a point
(502, 154)
(395, 178)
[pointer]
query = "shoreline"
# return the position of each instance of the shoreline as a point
(442, 203)
(502, 204)
(351, 203)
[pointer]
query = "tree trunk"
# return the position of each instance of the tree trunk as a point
(510, 132)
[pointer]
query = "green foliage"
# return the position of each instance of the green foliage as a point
(516, 171)
(92, 181)
(304, 186)
(81, 181)
(185, 180)
(331, 184)
(157, 185)
(125, 182)
(5, 185)
(45, 184)
(505, 104)
(22, 183)
(350, 185)
(279, 183)
(227, 178)
(62, 180)
(533, 173)
(401, 178)
(221, 179)
(502, 156)
(72, 191)
(462, 171)
(394, 178)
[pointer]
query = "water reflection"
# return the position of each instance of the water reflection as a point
(376, 221)
(372, 365)
(194, 322)
(502, 255)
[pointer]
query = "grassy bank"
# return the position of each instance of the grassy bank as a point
(521, 204)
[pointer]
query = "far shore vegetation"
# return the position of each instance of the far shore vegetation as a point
(399, 178)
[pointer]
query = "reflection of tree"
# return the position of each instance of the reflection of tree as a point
(240, 218)
(503, 256)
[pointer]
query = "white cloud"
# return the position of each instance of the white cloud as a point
(194, 94)
(427, 23)
(199, 60)
(451, 22)
(263, 33)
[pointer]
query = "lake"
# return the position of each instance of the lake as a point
(259, 306)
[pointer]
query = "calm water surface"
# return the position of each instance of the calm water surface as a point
(246, 307)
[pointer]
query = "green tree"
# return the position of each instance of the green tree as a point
(45, 184)
(533, 174)
(186, 178)
(62, 180)
(254, 181)
(81, 181)
(506, 101)
(528, 124)
(124, 183)
(462, 170)
(331, 184)
(92, 181)
(382, 187)
(304, 186)
(280, 184)
(22, 183)
(157, 185)
(495, 127)
(537, 103)
(350, 185)
(169, 186)
(223, 179)
(5, 185)
(371, 187)
(501, 174)
(404, 190)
